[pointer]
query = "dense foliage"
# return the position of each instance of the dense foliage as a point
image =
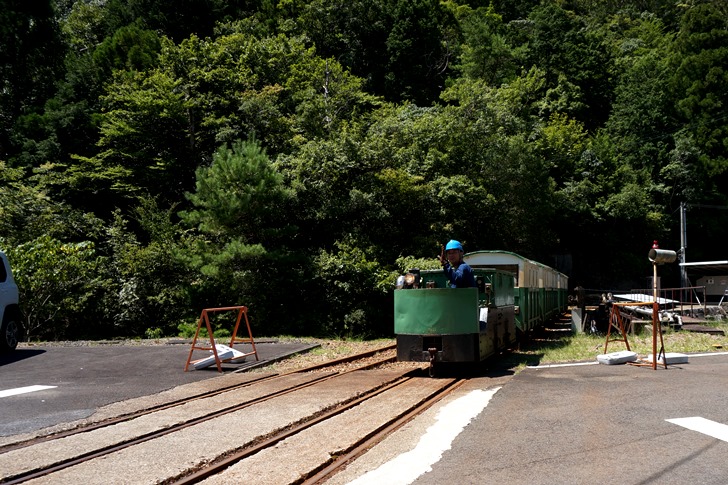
(158, 157)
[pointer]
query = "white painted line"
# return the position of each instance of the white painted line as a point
(548, 366)
(707, 354)
(702, 425)
(450, 421)
(23, 390)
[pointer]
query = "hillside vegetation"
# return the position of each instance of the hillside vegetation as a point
(158, 157)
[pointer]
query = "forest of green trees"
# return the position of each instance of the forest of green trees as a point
(158, 157)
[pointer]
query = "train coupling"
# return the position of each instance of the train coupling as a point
(433, 357)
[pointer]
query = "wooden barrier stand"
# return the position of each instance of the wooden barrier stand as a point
(615, 320)
(242, 311)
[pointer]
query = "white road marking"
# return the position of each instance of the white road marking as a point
(549, 366)
(708, 354)
(450, 421)
(702, 425)
(23, 390)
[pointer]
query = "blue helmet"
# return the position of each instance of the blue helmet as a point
(453, 244)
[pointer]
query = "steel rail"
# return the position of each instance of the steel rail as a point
(128, 416)
(37, 473)
(335, 362)
(220, 465)
(179, 402)
(379, 435)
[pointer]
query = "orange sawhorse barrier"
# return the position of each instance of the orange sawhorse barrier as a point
(242, 311)
(615, 320)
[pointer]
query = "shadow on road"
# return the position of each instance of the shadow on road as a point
(18, 355)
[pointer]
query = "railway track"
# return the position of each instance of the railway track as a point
(331, 364)
(192, 439)
(304, 468)
(339, 462)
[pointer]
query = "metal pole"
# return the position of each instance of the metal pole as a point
(683, 244)
(655, 308)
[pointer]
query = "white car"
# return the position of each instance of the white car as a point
(10, 328)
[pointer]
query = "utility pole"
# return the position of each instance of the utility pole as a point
(683, 245)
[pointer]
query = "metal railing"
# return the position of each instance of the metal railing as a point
(683, 299)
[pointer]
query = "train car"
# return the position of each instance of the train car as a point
(541, 292)
(435, 323)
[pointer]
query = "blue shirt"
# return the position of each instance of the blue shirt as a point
(460, 277)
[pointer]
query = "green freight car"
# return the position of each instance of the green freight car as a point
(541, 292)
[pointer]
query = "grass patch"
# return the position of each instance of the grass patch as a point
(561, 346)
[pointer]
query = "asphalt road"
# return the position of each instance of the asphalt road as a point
(598, 424)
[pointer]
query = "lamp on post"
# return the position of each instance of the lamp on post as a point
(658, 256)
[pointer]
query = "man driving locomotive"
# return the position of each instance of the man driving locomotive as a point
(458, 271)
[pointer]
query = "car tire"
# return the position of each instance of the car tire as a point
(9, 334)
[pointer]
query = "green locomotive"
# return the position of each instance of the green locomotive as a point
(436, 323)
